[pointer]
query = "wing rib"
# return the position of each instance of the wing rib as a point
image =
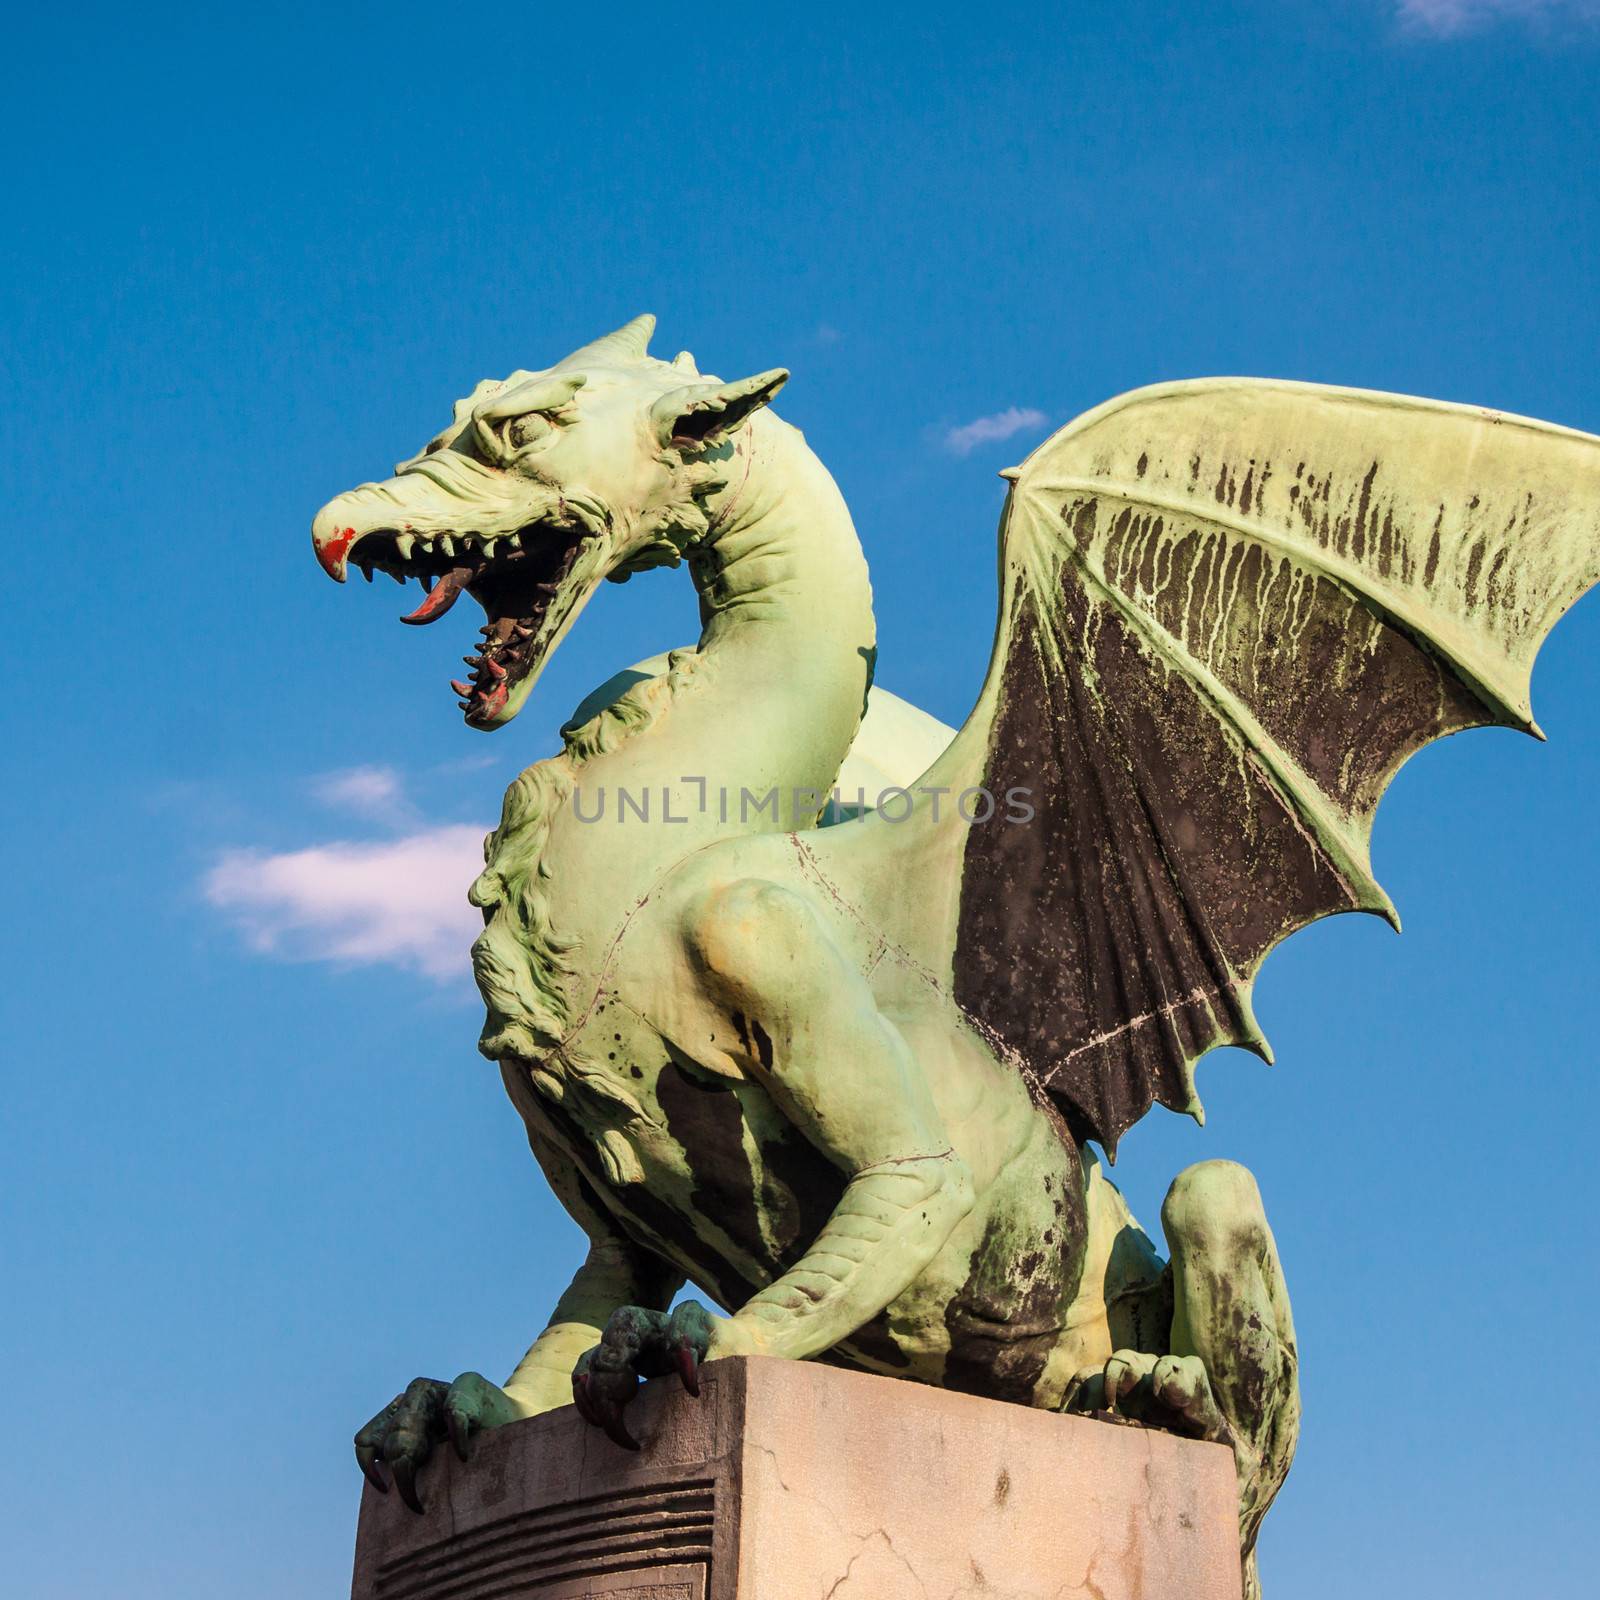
(1436, 634)
(1301, 796)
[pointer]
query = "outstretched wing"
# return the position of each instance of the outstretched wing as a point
(1230, 610)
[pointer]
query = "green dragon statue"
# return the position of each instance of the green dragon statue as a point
(840, 1070)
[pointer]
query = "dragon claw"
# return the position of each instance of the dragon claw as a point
(1172, 1392)
(638, 1343)
(367, 1460)
(405, 1480)
(1182, 1385)
(402, 1436)
(689, 1369)
(614, 1428)
(689, 1339)
(580, 1398)
(460, 1430)
(1124, 1372)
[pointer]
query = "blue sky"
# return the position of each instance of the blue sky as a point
(253, 1175)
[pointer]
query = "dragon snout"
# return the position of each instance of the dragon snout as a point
(435, 499)
(331, 538)
(356, 513)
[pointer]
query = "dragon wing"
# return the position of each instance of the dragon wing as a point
(1230, 609)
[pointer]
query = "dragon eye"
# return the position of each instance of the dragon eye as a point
(525, 430)
(513, 421)
(503, 439)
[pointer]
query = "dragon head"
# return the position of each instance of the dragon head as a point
(543, 484)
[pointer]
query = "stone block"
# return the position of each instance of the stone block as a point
(796, 1481)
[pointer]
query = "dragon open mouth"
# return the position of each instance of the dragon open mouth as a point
(530, 585)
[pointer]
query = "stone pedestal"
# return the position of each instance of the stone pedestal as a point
(793, 1481)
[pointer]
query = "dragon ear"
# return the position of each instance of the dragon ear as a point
(711, 413)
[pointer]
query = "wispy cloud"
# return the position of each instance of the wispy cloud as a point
(375, 792)
(400, 902)
(963, 440)
(1446, 19)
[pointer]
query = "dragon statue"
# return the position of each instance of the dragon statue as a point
(839, 1066)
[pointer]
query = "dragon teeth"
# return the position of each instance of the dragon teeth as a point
(447, 544)
(403, 543)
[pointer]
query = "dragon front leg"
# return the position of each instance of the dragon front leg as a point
(402, 1437)
(845, 1078)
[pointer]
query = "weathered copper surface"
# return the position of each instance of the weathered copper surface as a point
(839, 1065)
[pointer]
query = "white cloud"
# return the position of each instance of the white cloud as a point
(964, 440)
(1448, 18)
(400, 902)
(376, 792)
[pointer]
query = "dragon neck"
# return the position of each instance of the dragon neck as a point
(770, 701)
(733, 739)
(788, 636)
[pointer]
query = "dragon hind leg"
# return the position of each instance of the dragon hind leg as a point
(1231, 1311)
(1206, 1348)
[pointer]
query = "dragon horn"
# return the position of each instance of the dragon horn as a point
(630, 342)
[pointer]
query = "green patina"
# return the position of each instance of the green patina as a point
(842, 1074)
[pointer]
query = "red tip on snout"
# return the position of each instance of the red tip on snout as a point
(330, 555)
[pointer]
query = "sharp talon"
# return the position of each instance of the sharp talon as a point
(581, 1399)
(689, 1370)
(405, 1480)
(460, 1432)
(368, 1462)
(615, 1429)
(1113, 1386)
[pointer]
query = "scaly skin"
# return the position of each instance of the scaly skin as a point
(729, 1071)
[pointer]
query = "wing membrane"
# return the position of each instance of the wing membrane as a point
(1230, 610)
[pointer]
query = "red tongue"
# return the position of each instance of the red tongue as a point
(444, 595)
